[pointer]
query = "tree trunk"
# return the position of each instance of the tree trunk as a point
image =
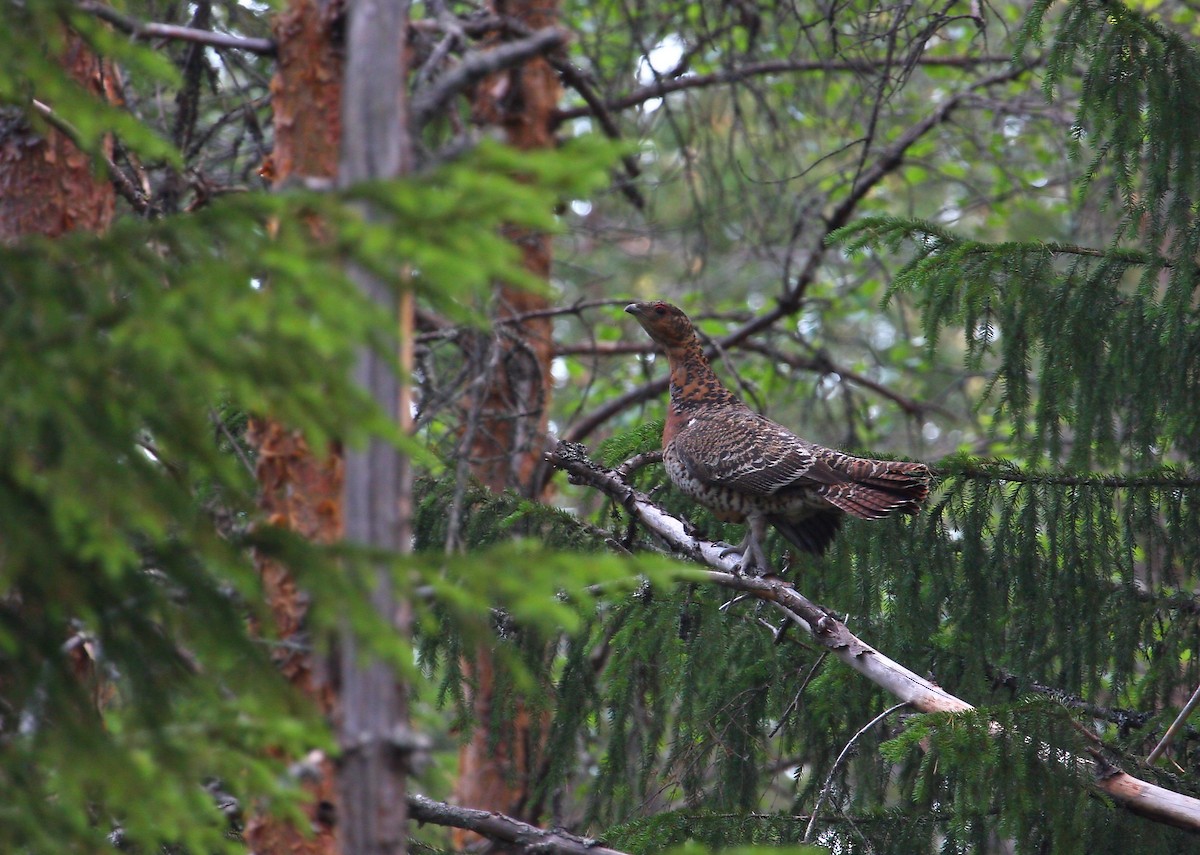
(298, 489)
(499, 771)
(47, 185)
(373, 729)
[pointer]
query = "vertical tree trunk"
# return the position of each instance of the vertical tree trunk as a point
(373, 728)
(498, 771)
(47, 185)
(299, 489)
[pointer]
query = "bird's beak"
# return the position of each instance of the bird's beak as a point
(634, 308)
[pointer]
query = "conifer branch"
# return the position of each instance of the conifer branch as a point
(1166, 479)
(1141, 797)
(505, 829)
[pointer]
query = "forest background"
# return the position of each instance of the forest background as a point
(295, 301)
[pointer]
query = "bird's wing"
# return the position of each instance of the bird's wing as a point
(749, 453)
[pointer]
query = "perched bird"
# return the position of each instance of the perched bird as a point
(746, 468)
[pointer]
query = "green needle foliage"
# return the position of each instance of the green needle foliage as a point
(1053, 588)
(128, 524)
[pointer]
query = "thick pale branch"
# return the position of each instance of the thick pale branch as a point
(1141, 797)
(497, 826)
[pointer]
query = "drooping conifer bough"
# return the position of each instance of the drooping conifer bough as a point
(746, 468)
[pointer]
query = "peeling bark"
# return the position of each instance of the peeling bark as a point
(48, 186)
(299, 489)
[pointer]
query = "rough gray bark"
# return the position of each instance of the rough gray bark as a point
(373, 729)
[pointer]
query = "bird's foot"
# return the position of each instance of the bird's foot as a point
(754, 562)
(753, 559)
(728, 549)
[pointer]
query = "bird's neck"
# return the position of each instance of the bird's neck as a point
(693, 382)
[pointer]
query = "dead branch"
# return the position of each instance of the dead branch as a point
(479, 64)
(1141, 797)
(120, 181)
(505, 829)
(148, 30)
(666, 85)
(1176, 726)
(812, 820)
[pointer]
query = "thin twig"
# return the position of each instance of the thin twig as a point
(234, 444)
(665, 85)
(812, 820)
(1175, 727)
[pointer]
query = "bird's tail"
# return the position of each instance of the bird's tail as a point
(879, 488)
(812, 534)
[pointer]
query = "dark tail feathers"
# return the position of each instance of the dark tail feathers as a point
(880, 488)
(812, 534)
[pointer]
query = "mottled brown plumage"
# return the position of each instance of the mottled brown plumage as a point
(746, 468)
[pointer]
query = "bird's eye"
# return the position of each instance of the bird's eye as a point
(660, 310)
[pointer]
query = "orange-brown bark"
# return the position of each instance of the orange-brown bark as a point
(498, 772)
(299, 489)
(507, 447)
(48, 186)
(306, 92)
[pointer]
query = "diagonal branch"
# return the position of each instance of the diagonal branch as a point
(1176, 726)
(1141, 797)
(479, 64)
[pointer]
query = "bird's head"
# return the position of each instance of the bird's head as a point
(666, 324)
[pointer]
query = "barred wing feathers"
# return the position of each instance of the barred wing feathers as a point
(741, 451)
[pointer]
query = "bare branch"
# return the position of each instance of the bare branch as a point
(577, 80)
(812, 820)
(479, 64)
(1141, 797)
(666, 85)
(120, 180)
(1176, 726)
(505, 829)
(584, 426)
(144, 30)
(889, 159)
